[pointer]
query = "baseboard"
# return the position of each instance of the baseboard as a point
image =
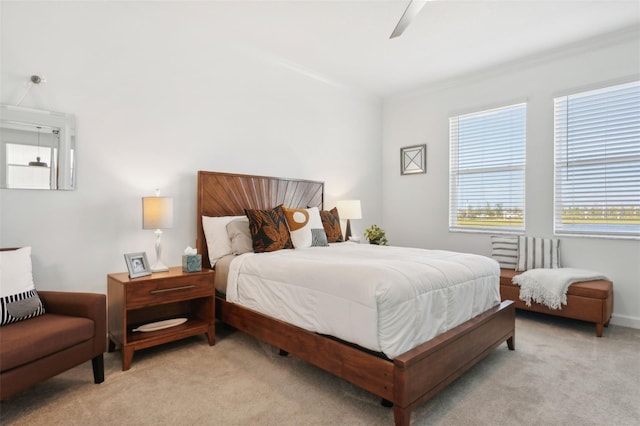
(625, 321)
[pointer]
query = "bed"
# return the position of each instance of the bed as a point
(406, 380)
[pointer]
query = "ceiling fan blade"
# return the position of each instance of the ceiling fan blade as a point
(410, 12)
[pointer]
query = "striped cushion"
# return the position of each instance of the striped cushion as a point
(505, 251)
(22, 306)
(534, 252)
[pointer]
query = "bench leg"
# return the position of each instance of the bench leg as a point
(599, 329)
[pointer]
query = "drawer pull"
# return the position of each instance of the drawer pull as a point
(164, 290)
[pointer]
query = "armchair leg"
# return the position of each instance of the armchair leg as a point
(98, 368)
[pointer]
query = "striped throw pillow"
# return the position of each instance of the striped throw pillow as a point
(505, 251)
(534, 252)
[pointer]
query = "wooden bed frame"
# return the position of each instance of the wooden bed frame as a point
(408, 380)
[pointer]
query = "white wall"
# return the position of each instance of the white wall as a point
(158, 95)
(422, 117)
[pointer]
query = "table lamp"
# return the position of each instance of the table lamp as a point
(349, 209)
(157, 213)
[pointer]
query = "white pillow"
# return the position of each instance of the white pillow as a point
(300, 222)
(240, 236)
(215, 232)
(18, 297)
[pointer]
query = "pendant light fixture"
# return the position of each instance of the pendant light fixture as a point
(38, 163)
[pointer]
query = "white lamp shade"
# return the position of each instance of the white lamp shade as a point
(157, 212)
(349, 209)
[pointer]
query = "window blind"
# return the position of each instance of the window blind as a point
(487, 170)
(597, 162)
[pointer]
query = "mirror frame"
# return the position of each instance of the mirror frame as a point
(67, 151)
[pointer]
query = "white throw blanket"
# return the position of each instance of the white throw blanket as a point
(549, 286)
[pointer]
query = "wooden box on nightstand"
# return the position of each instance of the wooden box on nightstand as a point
(157, 297)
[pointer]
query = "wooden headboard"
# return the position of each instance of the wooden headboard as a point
(228, 194)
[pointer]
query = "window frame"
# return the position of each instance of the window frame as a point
(562, 122)
(518, 165)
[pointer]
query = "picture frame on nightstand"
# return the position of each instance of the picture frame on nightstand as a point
(137, 264)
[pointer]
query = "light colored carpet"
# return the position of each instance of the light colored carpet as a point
(559, 374)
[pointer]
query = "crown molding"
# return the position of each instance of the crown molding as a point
(622, 35)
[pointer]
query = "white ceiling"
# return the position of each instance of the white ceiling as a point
(347, 42)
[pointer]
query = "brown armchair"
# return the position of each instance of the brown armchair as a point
(72, 331)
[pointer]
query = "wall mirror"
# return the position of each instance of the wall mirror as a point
(37, 149)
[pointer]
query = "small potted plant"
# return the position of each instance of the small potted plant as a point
(376, 235)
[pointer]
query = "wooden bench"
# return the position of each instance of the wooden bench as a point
(590, 301)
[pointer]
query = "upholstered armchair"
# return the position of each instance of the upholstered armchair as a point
(38, 346)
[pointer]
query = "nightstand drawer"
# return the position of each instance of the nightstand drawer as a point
(154, 292)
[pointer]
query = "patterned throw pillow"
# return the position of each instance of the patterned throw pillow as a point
(331, 225)
(534, 252)
(269, 230)
(300, 223)
(18, 297)
(505, 251)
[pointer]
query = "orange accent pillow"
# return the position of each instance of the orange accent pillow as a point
(300, 223)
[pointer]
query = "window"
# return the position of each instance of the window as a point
(20, 174)
(487, 164)
(597, 162)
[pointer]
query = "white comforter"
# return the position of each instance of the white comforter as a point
(387, 299)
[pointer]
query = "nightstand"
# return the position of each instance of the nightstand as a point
(157, 297)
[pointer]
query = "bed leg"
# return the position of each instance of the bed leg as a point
(386, 403)
(402, 416)
(511, 343)
(283, 352)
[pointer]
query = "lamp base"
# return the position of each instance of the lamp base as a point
(159, 267)
(347, 234)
